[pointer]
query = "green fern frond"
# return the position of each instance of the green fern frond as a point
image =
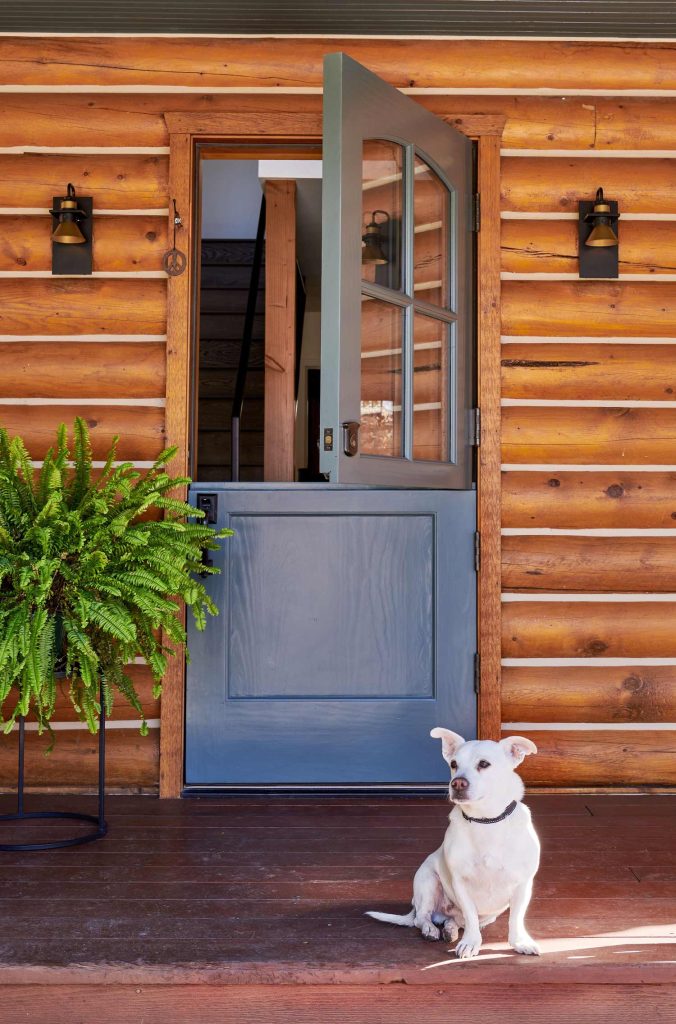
(81, 574)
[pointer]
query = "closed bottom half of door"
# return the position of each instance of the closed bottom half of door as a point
(347, 630)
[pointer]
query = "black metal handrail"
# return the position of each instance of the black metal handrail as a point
(245, 350)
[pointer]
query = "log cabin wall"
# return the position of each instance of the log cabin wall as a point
(589, 417)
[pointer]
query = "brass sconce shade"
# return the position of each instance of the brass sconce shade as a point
(67, 231)
(72, 233)
(598, 237)
(602, 233)
(374, 238)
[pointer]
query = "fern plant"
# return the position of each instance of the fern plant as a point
(87, 584)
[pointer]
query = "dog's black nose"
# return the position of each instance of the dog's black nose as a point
(459, 783)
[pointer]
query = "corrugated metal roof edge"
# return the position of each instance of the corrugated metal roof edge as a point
(671, 37)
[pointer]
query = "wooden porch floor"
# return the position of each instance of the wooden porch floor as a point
(252, 910)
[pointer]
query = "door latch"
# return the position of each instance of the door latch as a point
(351, 437)
(208, 503)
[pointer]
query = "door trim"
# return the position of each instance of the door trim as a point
(186, 129)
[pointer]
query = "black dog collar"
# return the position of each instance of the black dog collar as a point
(491, 821)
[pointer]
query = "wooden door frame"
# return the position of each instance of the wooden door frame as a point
(267, 126)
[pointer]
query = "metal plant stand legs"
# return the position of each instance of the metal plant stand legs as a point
(21, 815)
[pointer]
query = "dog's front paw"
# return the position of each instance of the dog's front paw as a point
(524, 944)
(468, 947)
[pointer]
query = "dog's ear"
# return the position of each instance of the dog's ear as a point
(450, 742)
(518, 747)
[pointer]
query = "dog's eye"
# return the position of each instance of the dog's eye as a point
(483, 764)
(454, 765)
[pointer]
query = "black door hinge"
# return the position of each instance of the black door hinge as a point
(475, 429)
(476, 212)
(477, 673)
(477, 550)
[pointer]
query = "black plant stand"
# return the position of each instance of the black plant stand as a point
(22, 815)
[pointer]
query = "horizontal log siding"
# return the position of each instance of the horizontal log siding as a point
(566, 340)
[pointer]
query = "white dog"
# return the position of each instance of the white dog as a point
(490, 852)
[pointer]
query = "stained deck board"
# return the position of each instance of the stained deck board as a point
(252, 909)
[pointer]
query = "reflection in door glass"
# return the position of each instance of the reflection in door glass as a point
(432, 370)
(381, 375)
(382, 205)
(431, 214)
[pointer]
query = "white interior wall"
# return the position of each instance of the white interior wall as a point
(231, 198)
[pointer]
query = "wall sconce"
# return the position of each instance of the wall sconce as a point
(598, 256)
(374, 238)
(72, 233)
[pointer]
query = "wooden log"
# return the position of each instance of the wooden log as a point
(632, 122)
(551, 247)
(533, 122)
(132, 760)
(280, 329)
(137, 118)
(245, 63)
(141, 429)
(601, 758)
(122, 711)
(589, 309)
(120, 243)
(80, 306)
(43, 369)
(572, 500)
(597, 372)
(588, 435)
(595, 564)
(557, 184)
(588, 629)
(622, 693)
(117, 181)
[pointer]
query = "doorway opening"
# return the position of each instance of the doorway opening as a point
(256, 366)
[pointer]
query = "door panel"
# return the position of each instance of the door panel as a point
(348, 609)
(347, 631)
(396, 281)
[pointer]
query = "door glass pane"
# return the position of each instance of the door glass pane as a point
(381, 376)
(382, 206)
(431, 215)
(432, 373)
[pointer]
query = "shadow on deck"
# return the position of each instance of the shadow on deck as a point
(251, 909)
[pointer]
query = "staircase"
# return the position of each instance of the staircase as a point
(225, 276)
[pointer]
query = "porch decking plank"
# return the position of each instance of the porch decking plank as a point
(388, 1005)
(252, 910)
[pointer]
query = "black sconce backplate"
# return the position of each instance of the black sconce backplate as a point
(74, 259)
(597, 261)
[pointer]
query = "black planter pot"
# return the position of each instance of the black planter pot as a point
(98, 820)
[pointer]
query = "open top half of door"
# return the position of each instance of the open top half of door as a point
(397, 270)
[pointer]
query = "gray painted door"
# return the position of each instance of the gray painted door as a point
(396, 287)
(347, 631)
(348, 617)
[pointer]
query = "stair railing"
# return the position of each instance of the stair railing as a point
(245, 350)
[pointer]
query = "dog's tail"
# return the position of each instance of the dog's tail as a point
(405, 920)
